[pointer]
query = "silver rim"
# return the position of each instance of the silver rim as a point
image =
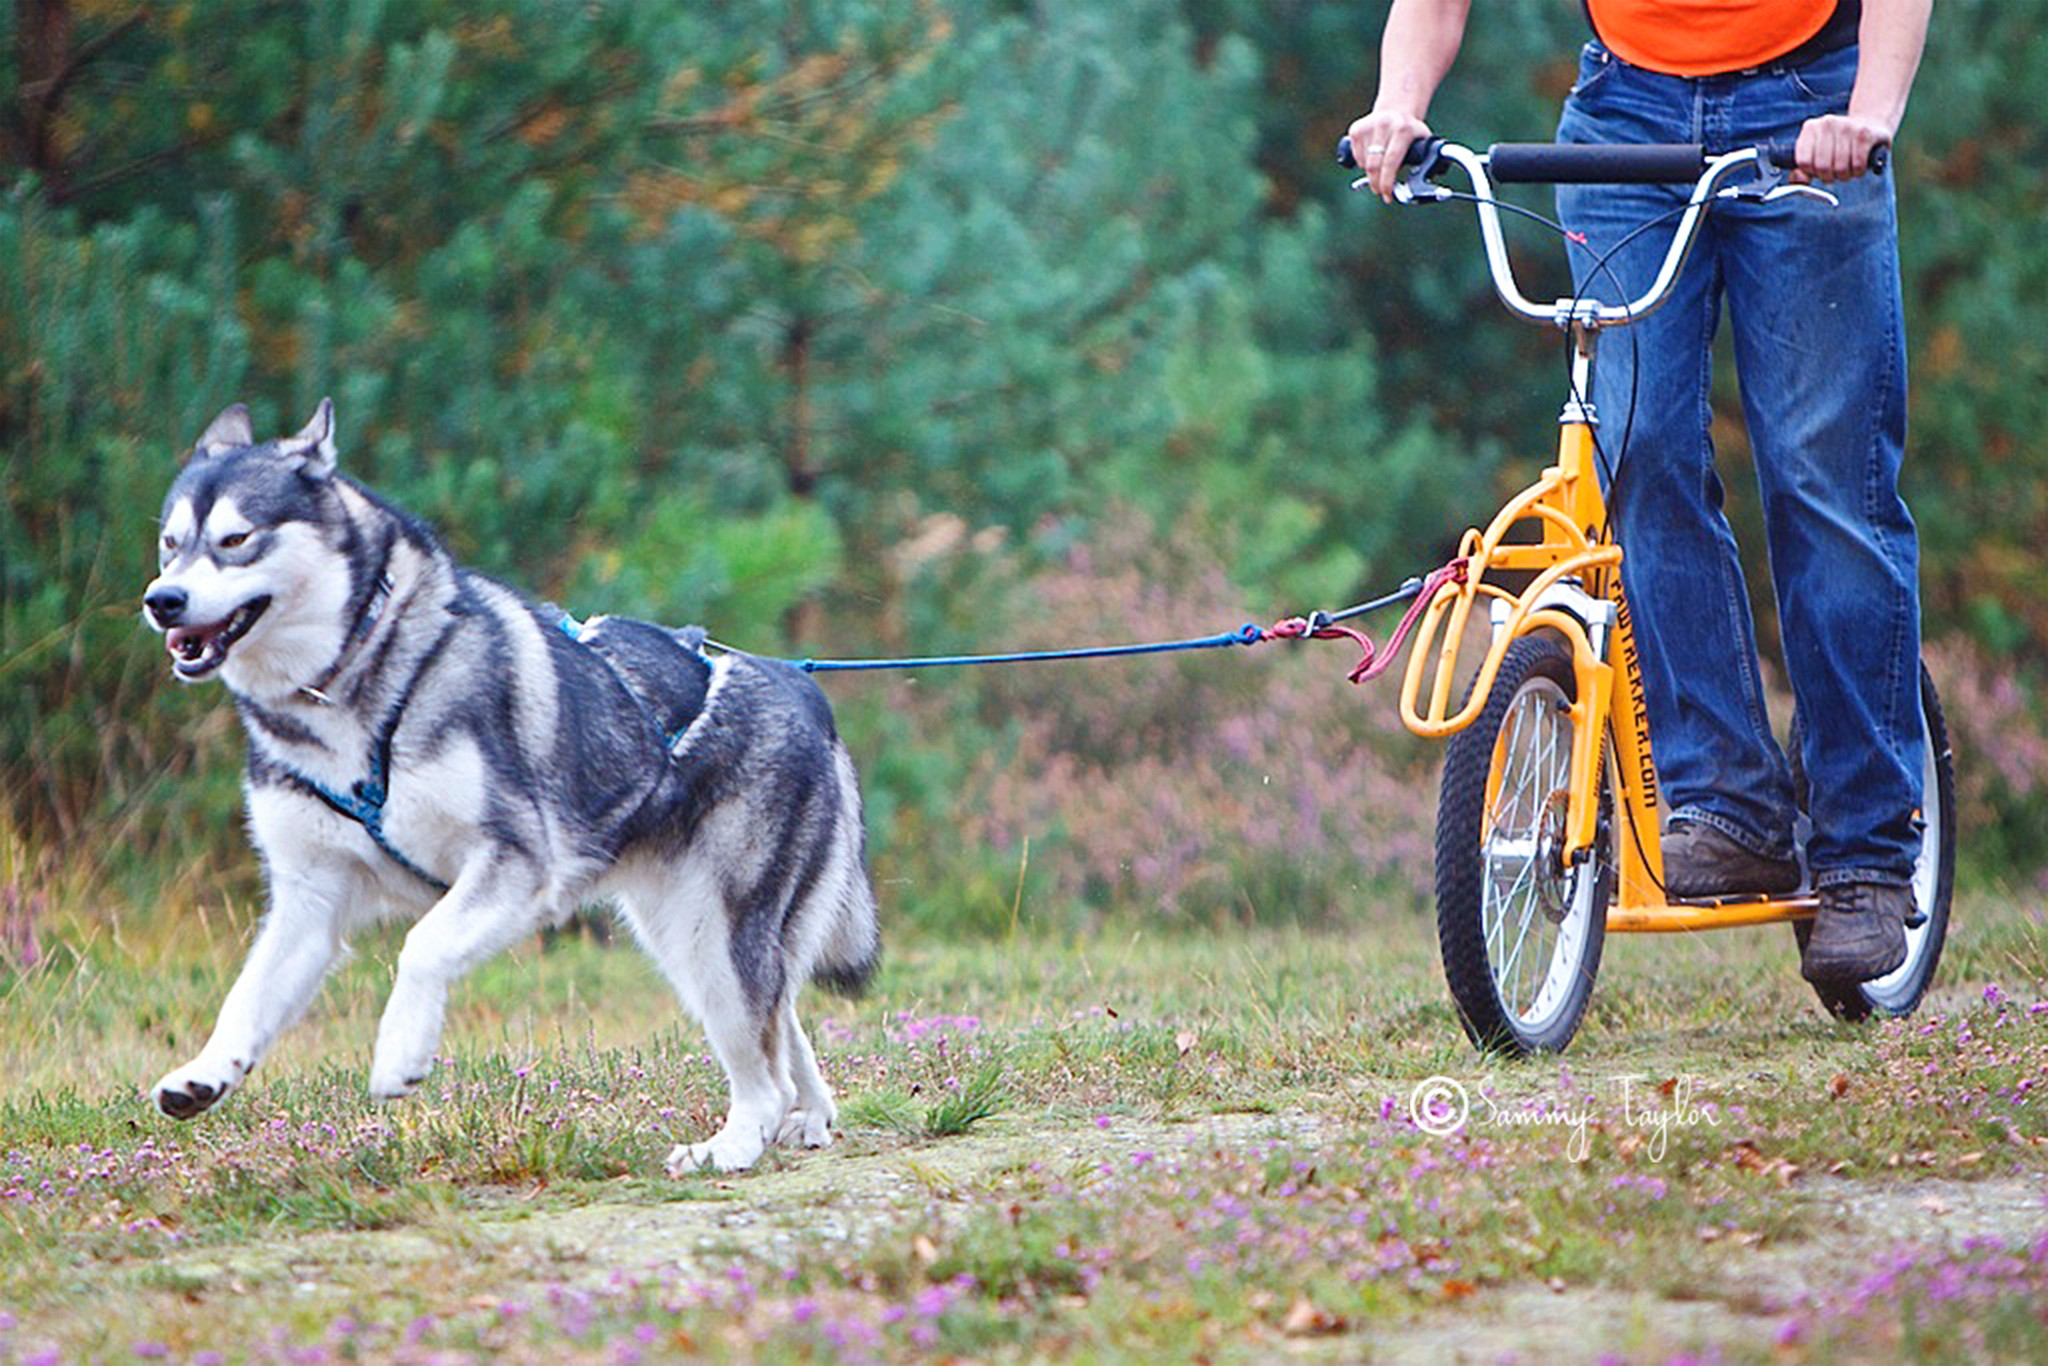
(1537, 925)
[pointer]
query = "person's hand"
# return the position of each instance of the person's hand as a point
(1379, 141)
(1838, 146)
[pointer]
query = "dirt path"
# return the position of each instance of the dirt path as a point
(863, 1193)
(1746, 1293)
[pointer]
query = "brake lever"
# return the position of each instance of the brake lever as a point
(1774, 182)
(1417, 187)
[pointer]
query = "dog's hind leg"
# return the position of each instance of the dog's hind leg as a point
(809, 1122)
(755, 1056)
(300, 939)
(679, 915)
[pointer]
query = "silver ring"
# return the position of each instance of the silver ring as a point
(1376, 147)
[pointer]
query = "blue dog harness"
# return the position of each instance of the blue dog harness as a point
(364, 802)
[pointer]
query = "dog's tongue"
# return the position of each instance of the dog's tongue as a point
(193, 648)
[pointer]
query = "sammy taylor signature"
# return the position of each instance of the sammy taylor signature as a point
(1650, 1110)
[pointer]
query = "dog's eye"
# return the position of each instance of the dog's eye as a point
(234, 539)
(170, 543)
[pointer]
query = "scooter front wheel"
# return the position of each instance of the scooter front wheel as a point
(1520, 929)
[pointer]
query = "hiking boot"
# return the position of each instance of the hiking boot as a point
(1700, 860)
(1860, 932)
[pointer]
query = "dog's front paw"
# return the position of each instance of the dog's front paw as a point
(190, 1090)
(727, 1151)
(390, 1083)
(402, 1060)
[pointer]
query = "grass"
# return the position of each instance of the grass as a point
(1121, 1147)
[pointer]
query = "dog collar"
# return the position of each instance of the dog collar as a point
(366, 621)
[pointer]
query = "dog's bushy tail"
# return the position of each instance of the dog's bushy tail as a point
(851, 978)
(852, 950)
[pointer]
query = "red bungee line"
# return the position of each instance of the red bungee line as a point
(1373, 661)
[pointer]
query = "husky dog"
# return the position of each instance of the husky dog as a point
(425, 742)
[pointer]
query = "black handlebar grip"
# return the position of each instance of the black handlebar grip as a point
(1564, 163)
(1785, 156)
(1414, 156)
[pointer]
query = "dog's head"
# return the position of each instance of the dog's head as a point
(248, 579)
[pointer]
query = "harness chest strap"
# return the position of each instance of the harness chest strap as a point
(364, 802)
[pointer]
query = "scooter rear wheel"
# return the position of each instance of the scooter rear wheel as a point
(1934, 874)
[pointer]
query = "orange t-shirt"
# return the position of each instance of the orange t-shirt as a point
(1705, 37)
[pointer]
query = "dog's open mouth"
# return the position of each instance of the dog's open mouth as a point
(197, 651)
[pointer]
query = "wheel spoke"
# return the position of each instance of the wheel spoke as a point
(1522, 949)
(1531, 747)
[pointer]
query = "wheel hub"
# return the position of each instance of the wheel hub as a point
(1552, 877)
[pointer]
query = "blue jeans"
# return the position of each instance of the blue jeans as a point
(1813, 304)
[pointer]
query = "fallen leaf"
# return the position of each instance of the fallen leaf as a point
(1747, 1156)
(1455, 1289)
(1306, 1319)
(1839, 1087)
(1185, 1041)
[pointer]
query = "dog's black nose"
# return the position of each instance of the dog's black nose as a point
(166, 605)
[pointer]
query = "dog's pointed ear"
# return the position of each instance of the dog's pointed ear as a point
(228, 432)
(313, 448)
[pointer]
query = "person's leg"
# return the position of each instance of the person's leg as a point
(1817, 322)
(1816, 317)
(1716, 757)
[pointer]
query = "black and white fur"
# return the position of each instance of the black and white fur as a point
(529, 772)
